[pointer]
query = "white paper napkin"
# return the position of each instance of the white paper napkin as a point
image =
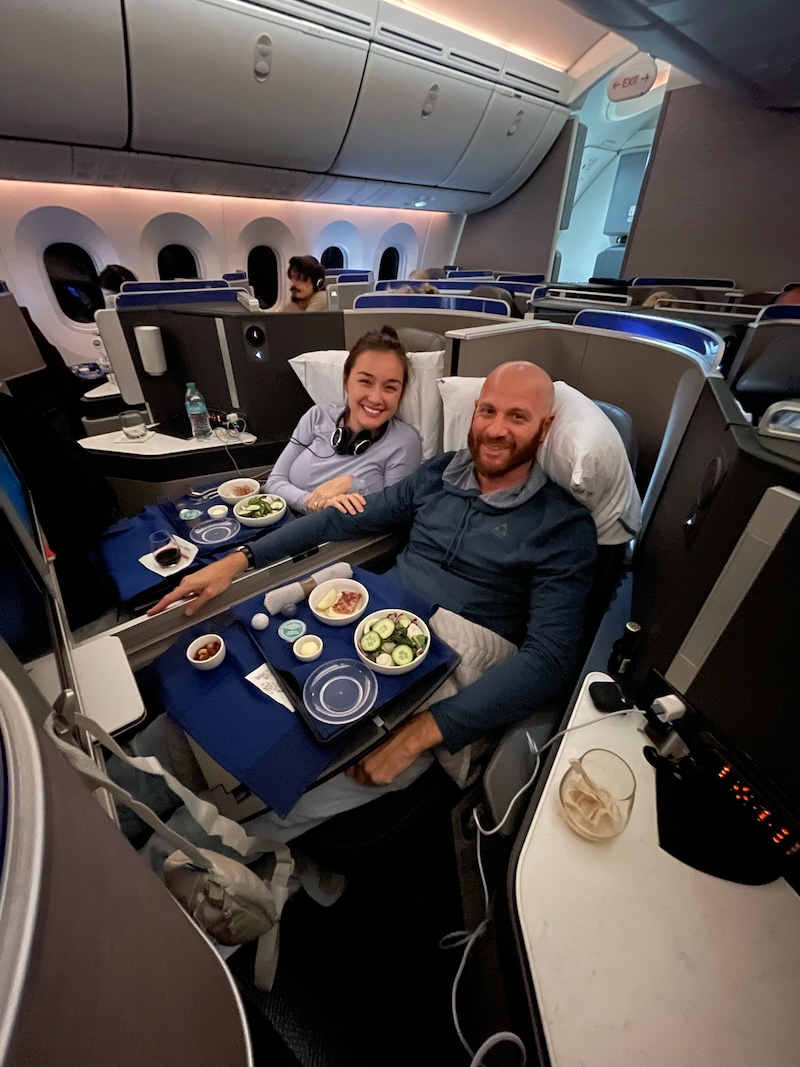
(188, 550)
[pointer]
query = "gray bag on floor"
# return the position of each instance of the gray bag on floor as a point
(227, 900)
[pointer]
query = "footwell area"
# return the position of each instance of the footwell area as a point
(364, 981)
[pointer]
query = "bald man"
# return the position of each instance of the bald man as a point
(492, 540)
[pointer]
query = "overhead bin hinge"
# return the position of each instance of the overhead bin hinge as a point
(263, 58)
(430, 100)
(512, 129)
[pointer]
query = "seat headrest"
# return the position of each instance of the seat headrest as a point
(774, 376)
(497, 292)
(414, 340)
(623, 424)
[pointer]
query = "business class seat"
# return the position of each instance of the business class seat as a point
(775, 375)
(415, 340)
(355, 836)
(497, 292)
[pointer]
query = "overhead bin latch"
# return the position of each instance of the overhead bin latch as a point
(262, 63)
(430, 100)
(512, 129)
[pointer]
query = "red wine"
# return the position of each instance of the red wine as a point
(168, 557)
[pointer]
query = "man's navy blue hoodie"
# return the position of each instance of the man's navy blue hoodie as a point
(517, 561)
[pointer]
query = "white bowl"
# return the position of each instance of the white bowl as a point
(218, 511)
(341, 585)
(394, 669)
(266, 520)
(213, 661)
(226, 492)
(301, 641)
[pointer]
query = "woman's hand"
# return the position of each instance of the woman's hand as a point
(320, 496)
(347, 503)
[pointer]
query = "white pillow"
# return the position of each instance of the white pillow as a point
(582, 452)
(321, 375)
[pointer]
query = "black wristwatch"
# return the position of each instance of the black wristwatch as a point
(247, 552)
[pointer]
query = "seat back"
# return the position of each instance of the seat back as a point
(414, 340)
(623, 424)
(774, 376)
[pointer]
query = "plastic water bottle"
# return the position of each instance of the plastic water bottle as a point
(197, 412)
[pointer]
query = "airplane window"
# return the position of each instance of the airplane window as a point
(332, 258)
(73, 276)
(390, 264)
(262, 273)
(176, 261)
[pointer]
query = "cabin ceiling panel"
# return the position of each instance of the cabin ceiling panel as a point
(546, 30)
(750, 46)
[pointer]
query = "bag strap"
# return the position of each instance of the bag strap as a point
(205, 814)
(96, 779)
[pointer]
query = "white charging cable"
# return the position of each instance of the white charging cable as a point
(467, 938)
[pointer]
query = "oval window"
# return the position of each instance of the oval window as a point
(332, 258)
(176, 261)
(262, 273)
(390, 264)
(73, 276)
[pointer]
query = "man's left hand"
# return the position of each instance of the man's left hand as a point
(390, 760)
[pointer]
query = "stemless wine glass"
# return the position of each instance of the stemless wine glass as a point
(597, 794)
(166, 550)
(134, 425)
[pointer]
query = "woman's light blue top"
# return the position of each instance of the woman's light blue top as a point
(309, 460)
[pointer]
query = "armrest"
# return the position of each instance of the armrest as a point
(513, 761)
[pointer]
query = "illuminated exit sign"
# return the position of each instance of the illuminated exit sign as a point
(632, 79)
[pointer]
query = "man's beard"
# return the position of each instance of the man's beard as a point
(295, 297)
(515, 456)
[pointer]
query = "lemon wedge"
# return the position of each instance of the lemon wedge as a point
(328, 600)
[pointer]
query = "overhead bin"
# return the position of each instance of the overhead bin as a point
(351, 16)
(230, 80)
(62, 72)
(511, 127)
(408, 31)
(526, 74)
(412, 121)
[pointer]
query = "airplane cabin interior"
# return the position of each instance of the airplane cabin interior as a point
(222, 843)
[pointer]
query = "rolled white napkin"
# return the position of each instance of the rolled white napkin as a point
(275, 599)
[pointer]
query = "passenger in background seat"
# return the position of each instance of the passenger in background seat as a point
(790, 295)
(653, 299)
(306, 285)
(339, 455)
(425, 289)
(112, 277)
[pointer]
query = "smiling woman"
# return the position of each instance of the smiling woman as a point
(338, 455)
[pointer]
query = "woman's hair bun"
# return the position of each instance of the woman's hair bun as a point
(390, 331)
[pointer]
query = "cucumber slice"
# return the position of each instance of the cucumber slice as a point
(403, 622)
(370, 642)
(402, 656)
(276, 506)
(384, 628)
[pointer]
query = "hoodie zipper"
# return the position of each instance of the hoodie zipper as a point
(458, 536)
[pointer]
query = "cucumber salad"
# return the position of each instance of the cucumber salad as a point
(258, 507)
(394, 641)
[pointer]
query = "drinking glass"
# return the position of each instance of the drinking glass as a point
(597, 794)
(134, 425)
(166, 550)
